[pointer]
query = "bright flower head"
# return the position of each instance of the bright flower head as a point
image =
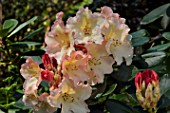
(86, 26)
(147, 89)
(70, 97)
(78, 55)
(59, 41)
(116, 37)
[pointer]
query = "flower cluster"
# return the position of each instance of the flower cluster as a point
(78, 55)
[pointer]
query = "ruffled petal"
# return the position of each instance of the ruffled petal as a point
(30, 68)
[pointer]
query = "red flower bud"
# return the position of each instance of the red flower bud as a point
(47, 62)
(47, 75)
(147, 88)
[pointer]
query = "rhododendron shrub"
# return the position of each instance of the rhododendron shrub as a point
(78, 56)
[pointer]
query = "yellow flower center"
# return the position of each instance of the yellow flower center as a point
(94, 61)
(67, 98)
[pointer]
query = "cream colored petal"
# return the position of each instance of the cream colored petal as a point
(30, 68)
(124, 51)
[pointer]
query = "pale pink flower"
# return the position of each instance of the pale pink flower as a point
(86, 26)
(75, 66)
(30, 69)
(116, 37)
(59, 40)
(31, 72)
(71, 97)
(100, 62)
(39, 104)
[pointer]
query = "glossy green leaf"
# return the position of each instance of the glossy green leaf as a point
(139, 41)
(10, 24)
(111, 89)
(35, 58)
(165, 21)
(161, 47)
(153, 58)
(165, 84)
(166, 35)
(25, 43)
(139, 33)
(20, 104)
(33, 33)
(155, 14)
(23, 25)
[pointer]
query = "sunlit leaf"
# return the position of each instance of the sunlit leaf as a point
(23, 25)
(10, 24)
(25, 43)
(155, 14)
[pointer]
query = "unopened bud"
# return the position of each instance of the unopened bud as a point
(47, 62)
(147, 89)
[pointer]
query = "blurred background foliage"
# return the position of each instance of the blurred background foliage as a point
(34, 19)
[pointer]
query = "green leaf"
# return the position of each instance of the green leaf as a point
(161, 47)
(4, 32)
(98, 89)
(23, 25)
(134, 72)
(139, 33)
(123, 73)
(153, 58)
(164, 84)
(1, 111)
(139, 41)
(155, 14)
(129, 99)
(164, 102)
(117, 107)
(165, 21)
(166, 35)
(25, 43)
(111, 89)
(10, 24)
(35, 58)
(168, 11)
(33, 33)
(20, 104)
